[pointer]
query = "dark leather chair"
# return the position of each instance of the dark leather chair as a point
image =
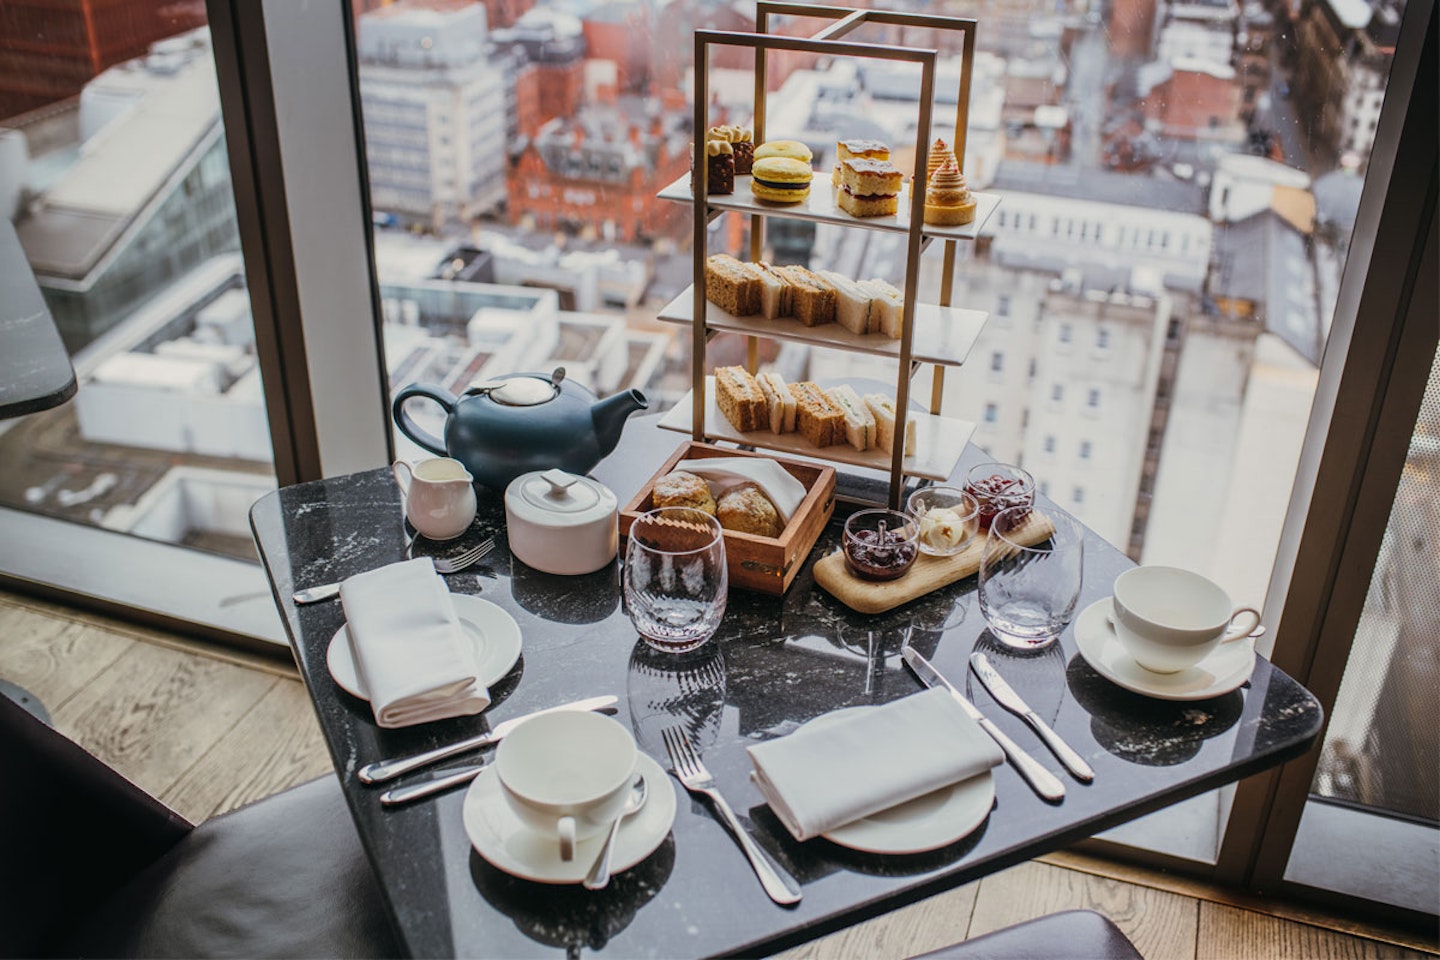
(94, 866)
(1073, 934)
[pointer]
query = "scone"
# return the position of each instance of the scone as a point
(681, 489)
(745, 509)
(781, 180)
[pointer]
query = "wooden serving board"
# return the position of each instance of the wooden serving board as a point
(929, 573)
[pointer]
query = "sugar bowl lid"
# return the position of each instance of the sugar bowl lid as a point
(557, 498)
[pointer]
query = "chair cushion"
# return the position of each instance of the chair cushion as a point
(1072, 933)
(284, 877)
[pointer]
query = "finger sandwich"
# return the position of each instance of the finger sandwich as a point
(860, 425)
(775, 292)
(817, 417)
(883, 409)
(887, 308)
(812, 298)
(780, 402)
(732, 286)
(852, 303)
(739, 398)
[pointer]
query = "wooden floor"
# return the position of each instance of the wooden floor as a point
(207, 731)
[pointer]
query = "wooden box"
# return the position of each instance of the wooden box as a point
(766, 564)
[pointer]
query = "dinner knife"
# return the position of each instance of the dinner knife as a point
(383, 770)
(1041, 780)
(414, 791)
(1006, 696)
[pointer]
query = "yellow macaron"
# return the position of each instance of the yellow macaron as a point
(781, 180)
(789, 149)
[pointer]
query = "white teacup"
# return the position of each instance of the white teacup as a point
(439, 496)
(567, 774)
(1170, 619)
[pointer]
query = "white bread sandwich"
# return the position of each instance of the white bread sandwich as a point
(860, 425)
(780, 401)
(852, 303)
(883, 409)
(887, 307)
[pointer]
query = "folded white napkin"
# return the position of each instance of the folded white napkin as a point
(782, 490)
(409, 648)
(819, 780)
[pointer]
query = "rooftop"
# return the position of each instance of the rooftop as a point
(1134, 190)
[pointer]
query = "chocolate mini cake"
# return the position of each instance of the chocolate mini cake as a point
(720, 164)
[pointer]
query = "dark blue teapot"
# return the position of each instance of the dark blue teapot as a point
(523, 422)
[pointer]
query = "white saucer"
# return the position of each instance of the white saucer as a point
(494, 632)
(507, 844)
(935, 820)
(1229, 666)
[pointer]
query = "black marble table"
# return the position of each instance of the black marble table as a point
(35, 371)
(774, 664)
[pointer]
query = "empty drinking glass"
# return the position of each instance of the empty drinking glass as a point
(675, 579)
(1028, 593)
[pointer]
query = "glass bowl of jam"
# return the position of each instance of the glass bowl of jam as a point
(999, 486)
(880, 544)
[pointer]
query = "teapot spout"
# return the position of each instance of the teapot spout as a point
(609, 416)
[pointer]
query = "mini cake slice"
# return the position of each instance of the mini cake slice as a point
(887, 307)
(883, 409)
(817, 417)
(868, 188)
(857, 149)
(812, 299)
(860, 426)
(779, 400)
(739, 398)
(732, 286)
(852, 303)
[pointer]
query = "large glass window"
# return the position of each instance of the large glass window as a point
(114, 170)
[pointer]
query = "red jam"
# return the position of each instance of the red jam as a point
(878, 554)
(996, 493)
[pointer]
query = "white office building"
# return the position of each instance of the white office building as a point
(434, 109)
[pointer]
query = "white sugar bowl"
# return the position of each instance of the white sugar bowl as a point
(561, 523)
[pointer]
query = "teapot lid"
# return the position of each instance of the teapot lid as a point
(526, 391)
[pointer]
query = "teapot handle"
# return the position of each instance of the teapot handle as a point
(412, 430)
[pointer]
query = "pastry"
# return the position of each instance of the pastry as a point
(852, 303)
(817, 417)
(681, 489)
(887, 308)
(862, 149)
(883, 409)
(939, 153)
(787, 149)
(719, 166)
(812, 298)
(744, 509)
(948, 202)
(739, 398)
(741, 142)
(860, 426)
(781, 180)
(868, 188)
(732, 286)
(779, 401)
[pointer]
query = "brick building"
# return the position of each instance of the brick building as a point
(1132, 28)
(50, 48)
(1191, 100)
(597, 174)
(543, 57)
(621, 34)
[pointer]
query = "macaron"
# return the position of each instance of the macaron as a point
(781, 180)
(789, 149)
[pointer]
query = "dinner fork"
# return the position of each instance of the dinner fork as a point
(453, 564)
(691, 771)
